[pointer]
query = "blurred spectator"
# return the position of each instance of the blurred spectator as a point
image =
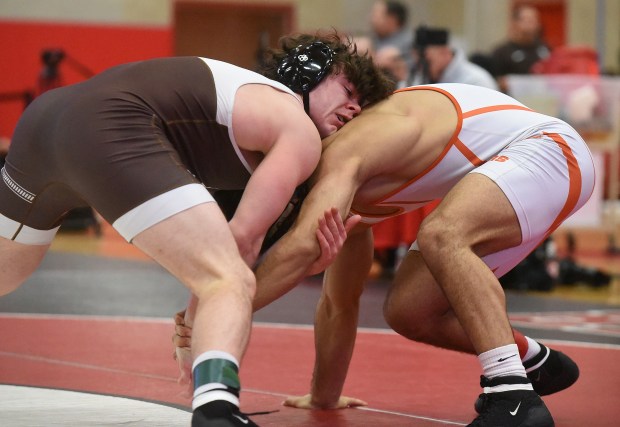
(524, 46)
(388, 21)
(439, 62)
(392, 62)
(483, 60)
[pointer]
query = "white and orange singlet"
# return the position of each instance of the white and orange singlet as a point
(541, 163)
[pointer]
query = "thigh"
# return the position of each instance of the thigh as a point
(17, 262)
(505, 208)
(195, 245)
(476, 213)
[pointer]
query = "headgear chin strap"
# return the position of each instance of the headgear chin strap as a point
(304, 68)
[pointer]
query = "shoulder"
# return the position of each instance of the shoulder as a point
(263, 115)
(374, 138)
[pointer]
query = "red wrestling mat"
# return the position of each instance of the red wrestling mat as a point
(405, 384)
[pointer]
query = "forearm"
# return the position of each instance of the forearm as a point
(337, 317)
(283, 268)
(333, 352)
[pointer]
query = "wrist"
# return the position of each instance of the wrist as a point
(323, 402)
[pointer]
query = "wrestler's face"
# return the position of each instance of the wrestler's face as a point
(333, 103)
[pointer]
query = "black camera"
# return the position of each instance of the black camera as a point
(426, 36)
(571, 273)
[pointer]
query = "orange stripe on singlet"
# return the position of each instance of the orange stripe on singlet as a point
(493, 108)
(574, 181)
(475, 160)
(574, 173)
(469, 155)
(454, 140)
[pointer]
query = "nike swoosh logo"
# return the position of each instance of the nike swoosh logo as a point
(537, 377)
(513, 413)
(501, 359)
(246, 421)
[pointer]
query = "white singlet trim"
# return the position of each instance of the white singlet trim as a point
(228, 78)
(159, 208)
(26, 235)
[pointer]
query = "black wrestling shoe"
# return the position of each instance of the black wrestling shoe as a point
(557, 372)
(514, 408)
(220, 413)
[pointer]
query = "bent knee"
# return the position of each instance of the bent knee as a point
(404, 320)
(240, 281)
(408, 325)
(437, 234)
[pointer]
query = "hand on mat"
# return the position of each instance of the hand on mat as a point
(182, 341)
(331, 234)
(305, 402)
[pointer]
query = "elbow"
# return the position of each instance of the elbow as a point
(344, 313)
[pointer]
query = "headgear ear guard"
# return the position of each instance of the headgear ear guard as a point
(304, 68)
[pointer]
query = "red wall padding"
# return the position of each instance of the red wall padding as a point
(96, 46)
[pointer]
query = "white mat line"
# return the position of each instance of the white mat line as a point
(381, 331)
(84, 366)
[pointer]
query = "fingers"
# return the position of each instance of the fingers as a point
(305, 402)
(352, 402)
(324, 244)
(179, 318)
(182, 342)
(332, 227)
(302, 402)
(183, 331)
(325, 234)
(335, 225)
(351, 222)
(289, 402)
(182, 334)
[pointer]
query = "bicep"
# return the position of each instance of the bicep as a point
(287, 164)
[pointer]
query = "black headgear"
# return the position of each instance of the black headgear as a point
(304, 67)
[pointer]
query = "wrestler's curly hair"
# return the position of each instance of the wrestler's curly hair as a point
(371, 83)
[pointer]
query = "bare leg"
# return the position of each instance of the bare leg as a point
(474, 218)
(17, 263)
(198, 248)
(417, 308)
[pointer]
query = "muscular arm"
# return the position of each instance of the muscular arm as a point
(362, 150)
(291, 147)
(290, 258)
(336, 318)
